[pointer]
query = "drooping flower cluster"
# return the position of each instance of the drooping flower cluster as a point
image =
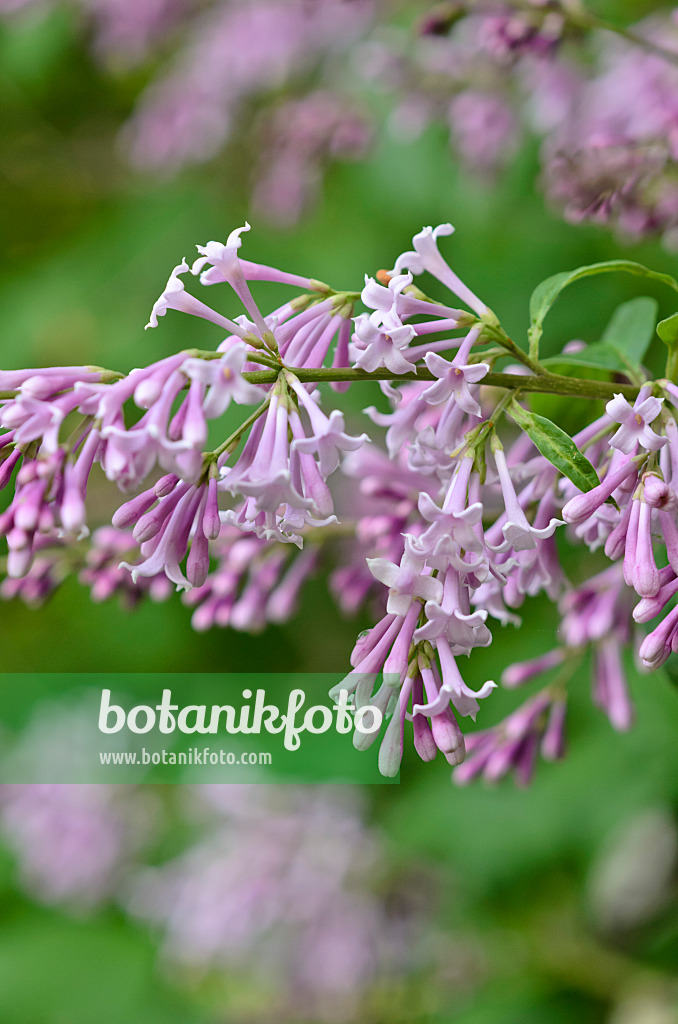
(494, 72)
(614, 159)
(281, 886)
(73, 843)
(300, 137)
(605, 106)
(279, 474)
(475, 554)
(235, 52)
(450, 527)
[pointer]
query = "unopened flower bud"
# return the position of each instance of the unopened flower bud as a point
(656, 492)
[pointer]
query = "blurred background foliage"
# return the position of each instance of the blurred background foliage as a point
(531, 917)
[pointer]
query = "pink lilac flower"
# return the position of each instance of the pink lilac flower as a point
(518, 533)
(380, 346)
(453, 533)
(521, 672)
(254, 583)
(225, 261)
(410, 417)
(223, 380)
(381, 338)
(515, 744)
(329, 437)
(596, 613)
(435, 725)
(43, 401)
(405, 582)
(640, 568)
(383, 507)
(104, 574)
(451, 622)
(392, 298)
(635, 423)
(454, 377)
(176, 297)
(535, 30)
(180, 512)
(271, 474)
(48, 570)
(50, 488)
(583, 506)
(426, 257)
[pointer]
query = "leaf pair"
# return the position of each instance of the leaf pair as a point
(546, 293)
(624, 343)
(622, 348)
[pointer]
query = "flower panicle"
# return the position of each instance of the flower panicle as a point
(445, 528)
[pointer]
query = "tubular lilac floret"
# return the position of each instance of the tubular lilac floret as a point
(445, 528)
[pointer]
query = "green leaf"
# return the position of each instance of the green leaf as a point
(631, 329)
(599, 356)
(546, 293)
(668, 330)
(624, 343)
(556, 446)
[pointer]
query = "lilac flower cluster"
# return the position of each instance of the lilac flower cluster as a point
(281, 888)
(604, 105)
(212, 61)
(279, 474)
(253, 583)
(451, 526)
(494, 72)
(233, 53)
(463, 69)
(614, 158)
(283, 891)
(458, 568)
(300, 137)
(73, 843)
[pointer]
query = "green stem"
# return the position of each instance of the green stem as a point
(252, 357)
(77, 432)
(263, 359)
(233, 438)
(530, 360)
(548, 384)
(671, 371)
(501, 407)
